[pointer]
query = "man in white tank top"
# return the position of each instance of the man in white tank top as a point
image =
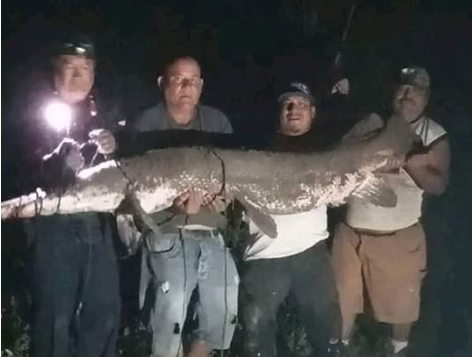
(297, 261)
(383, 249)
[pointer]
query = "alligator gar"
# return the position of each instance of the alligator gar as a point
(263, 182)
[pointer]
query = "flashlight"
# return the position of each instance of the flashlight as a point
(59, 116)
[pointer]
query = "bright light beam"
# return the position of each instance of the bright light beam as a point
(59, 116)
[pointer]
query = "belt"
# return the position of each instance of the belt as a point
(201, 232)
(375, 233)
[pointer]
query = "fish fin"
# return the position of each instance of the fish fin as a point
(364, 129)
(378, 192)
(265, 222)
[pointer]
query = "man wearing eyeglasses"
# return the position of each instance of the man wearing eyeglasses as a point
(181, 86)
(190, 254)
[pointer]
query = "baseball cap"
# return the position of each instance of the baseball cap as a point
(297, 89)
(76, 45)
(415, 76)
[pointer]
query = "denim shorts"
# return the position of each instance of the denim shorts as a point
(175, 265)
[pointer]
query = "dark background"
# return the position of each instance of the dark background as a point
(249, 50)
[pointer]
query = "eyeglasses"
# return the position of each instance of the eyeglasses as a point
(179, 80)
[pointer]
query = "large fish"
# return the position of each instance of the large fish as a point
(263, 182)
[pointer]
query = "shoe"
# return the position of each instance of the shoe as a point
(402, 353)
(337, 349)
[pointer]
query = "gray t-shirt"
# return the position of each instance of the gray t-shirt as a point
(206, 119)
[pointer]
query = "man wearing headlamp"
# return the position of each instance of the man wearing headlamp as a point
(75, 273)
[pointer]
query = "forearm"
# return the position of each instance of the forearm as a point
(429, 178)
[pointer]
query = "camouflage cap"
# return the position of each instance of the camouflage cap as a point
(415, 76)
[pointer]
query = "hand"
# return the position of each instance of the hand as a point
(214, 202)
(189, 202)
(106, 143)
(70, 150)
(341, 87)
(419, 160)
(391, 163)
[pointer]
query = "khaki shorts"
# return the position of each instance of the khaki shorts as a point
(390, 268)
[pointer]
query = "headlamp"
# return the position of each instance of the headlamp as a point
(78, 49)
(77, 46)
(58, 115)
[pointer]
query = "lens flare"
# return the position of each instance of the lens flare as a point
(58, 115)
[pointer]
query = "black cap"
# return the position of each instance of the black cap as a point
(297, 89)
(76, 45)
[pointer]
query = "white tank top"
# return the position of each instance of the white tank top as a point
(364, 215)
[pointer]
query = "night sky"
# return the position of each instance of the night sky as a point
(249, 50)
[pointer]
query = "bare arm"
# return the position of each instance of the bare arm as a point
(431, 170)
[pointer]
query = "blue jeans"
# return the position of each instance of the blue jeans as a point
(176, 264)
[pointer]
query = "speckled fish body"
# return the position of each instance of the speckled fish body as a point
(271, 182)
